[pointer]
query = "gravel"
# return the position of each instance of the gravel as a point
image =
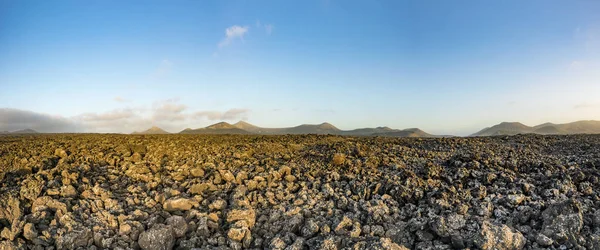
(299, 192)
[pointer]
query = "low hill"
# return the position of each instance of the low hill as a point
(217, 128)
(152, 131)
(246, 126)
(505, 128)
(369, 131)
(548, 130)
(24, 131)
(411, 132)
(581, 127)
(513, 128)
(323, 128)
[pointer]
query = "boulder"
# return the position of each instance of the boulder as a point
(498, 237)
(178, 204)
(563, 221)
(160, 237)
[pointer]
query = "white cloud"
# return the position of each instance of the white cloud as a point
(113, 115)
(576, 65)
(232, 114)
(269, 28)
(169, 114)
(169, 110)
(163, 69)
(585, 105)
(232, 33)
(120, 99)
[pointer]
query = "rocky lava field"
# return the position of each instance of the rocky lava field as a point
(299, 192)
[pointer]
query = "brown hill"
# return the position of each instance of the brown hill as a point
(505, 128)
(217, 128)
(154, 130)
(513, 128)
(411, 132)
(323, 128)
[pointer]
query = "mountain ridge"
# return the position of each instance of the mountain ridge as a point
(321, 128)
(514, 128)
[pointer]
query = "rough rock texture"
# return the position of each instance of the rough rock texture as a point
(161, 237)
(498, 237)
(299, 192)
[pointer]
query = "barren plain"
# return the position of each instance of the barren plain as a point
(93, 191)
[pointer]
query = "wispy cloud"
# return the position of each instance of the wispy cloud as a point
(113, 115)
(232, 114)
(233, 33)
(169, 110)
(584, 105)
(163, 69)
(120, 99)
(576, 65)
(267, 27)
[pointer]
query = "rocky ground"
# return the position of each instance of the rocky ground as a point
(298, 192)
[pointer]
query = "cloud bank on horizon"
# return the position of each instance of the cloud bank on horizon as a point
(169, 114)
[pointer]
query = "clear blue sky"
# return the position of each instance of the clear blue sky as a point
(448, 67)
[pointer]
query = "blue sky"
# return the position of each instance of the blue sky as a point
(448, 67)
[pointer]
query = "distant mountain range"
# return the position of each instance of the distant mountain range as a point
(217, 128)
(504, 128)
(22, 131)
(513, 128)
(242, 127)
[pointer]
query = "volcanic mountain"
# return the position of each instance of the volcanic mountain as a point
(152, 131)
(513, 128)
(328, 128)
(217, 128)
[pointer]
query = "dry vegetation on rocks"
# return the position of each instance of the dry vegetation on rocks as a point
(298, 192)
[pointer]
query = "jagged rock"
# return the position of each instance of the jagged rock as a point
(160, 237)
(543, 240)
(61, 153)
(217, 205)
(197, 172)
(237, 234)
(124, 229)
(563, 221)
(387, 244)
(68, 191)
(29, 231)
(277, 244)
(31, 189)
(338, 159)
(200, 188)
(45, 202)
(74, 239)
(309, 229)
(7, 245)
(10, 208)
(498, 237)
(180, 226)
(248, 216)
(178, 204)
(10, 214)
